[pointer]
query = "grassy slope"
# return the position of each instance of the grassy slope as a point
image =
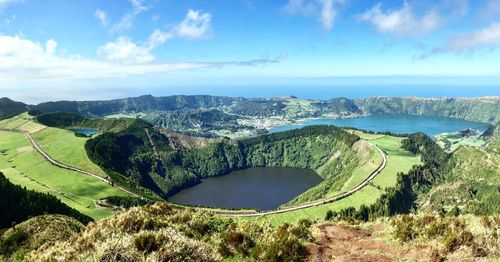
(37, 231)
(65, 147)
(24, 166)
(60, 144)
(399, 160)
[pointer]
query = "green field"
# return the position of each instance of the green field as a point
(66, 148)
(22, 122)
(24, 166)
(398, 160)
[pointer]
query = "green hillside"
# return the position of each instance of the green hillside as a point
(22, 165)
(473, 109)
(327, 150)
(70, 120)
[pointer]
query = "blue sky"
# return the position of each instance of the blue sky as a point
(57, 49)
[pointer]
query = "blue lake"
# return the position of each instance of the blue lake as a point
(260, 188)
(400, 124)
(87, 132)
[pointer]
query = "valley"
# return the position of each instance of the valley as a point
(128, 157)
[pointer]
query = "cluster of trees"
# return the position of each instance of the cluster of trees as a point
(127, 201)
(401, 198)
(387, 133)
(18, 204)
(129, 154)
(71, 120)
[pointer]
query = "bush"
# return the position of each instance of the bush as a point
(285, 246)
(238, 241)
(404, 230)
(10, 244)
(146, 243)
(457, 238)
(330, 215)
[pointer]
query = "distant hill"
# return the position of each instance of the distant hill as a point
(146, 103)
(10, 108)
(484, 109)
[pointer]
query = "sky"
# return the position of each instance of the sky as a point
(99, 49)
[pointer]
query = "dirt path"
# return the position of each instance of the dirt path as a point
(337, 197)
(61, 165)
(341, 243)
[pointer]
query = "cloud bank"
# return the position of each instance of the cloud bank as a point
(22, 60)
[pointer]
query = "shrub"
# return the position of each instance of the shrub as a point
(284, 247)
(10, 244)
(238, 241)
(457, 238)
(301, 230)
(404, 230)
(330, 215)
(146, 243)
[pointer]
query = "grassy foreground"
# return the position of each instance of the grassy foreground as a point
(398, 160)
(22, 165)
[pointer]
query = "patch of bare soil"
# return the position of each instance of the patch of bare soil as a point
(341, 243)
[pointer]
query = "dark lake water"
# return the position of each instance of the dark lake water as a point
(87, 132)
(260, 188)
(400, 124)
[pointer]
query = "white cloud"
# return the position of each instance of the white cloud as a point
(487, 37)
(402, 22)
(324, 10)
(125, 51)
(102, 17)
(196, 25)
(127, 20)
(158, 37)
(24, 62)
(50, 47)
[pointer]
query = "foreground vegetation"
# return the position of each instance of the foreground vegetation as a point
(44, 230)
(160, 233)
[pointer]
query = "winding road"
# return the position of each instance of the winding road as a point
(64, 166)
